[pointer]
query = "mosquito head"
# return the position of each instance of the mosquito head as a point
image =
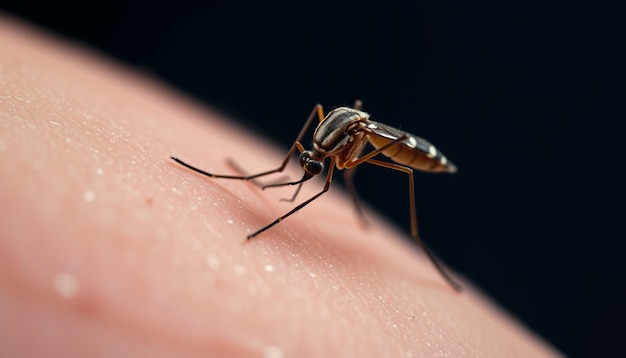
(311, 165)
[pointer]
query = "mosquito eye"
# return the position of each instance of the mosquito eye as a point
(309, 164)
(304, 158)
(314, 167)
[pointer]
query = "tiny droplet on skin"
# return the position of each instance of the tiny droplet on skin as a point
(213, 262)
(89, 196)
(239, 270)
(66, 285)
(273, 352)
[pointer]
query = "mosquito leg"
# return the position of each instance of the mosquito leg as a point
(348, 174)
(375, 152)
(350, 170)
(414, 231)
(211, 175)
(317, 111)
(329, 178)
(256, 182)
(294, 196)
(279, 183)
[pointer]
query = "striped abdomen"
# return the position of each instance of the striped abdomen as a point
(413, 151)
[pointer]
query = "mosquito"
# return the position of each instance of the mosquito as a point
(342, 135)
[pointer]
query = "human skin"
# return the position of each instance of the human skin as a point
(108, 248)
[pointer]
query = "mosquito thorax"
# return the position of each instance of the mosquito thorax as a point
(336, 130)
(310, 163)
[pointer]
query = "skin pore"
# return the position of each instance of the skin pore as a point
(108, 248)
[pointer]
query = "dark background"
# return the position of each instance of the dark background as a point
(526, 97)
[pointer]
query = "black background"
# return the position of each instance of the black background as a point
(526, 97)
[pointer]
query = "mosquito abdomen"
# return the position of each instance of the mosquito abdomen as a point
(416, 153)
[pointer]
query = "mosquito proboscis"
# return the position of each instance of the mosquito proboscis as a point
(342, 135)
